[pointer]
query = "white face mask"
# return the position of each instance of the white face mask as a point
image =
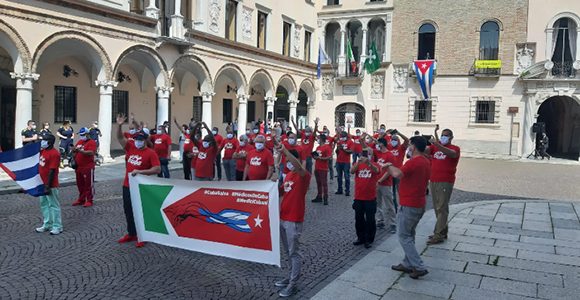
(358, 134)
(187, 131)
(131, 131)
(255, 130)
(140, 144)
(214, 132)
(268, 132)
(292, 141)
(230, 135)
(307, 133)
(259, 146)
(33, 126)
(343, 139)
(394, 143)
(83, 137)
(290, 166)
(444, 140)
(409, 153)
(43, 144)
(247, 132)
(242, 144)
(378, 146)
(205, 144)
(382, 130)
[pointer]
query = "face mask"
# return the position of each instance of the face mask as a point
(394, 143)
(307, 134)
(83, 138)
(358, 134)
(140, 144)
(187, 131)
(444, 140)
(409, 153)
(289, 166)
(368, 140)
(247, 132)
(292, 141)
(205, 144)
(268, 132)
(230, 135)
(131, 131)
(343, 139)
(242, 144)
(378, 147)
(33, 126)
(327, 133)
(96, 126)
(382, 130)
(46, 127)
(255, 130)
(43, 144)
(214, 132)
(259, 146)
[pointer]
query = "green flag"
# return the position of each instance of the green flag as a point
(372, 63)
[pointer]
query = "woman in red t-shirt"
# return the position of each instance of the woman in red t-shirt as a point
(206, 156)
(366, 174)
(322, 157)
(240, 154)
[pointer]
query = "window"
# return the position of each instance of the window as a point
(485, 112)
(120, 104)
(197, 108)
(231, 16)
(564, 40)
(426, 42)
(251, 116)
(348, 110)
(262, 26)
(332, 2)
(287, 27)
(307, 38)
(489, 41)
(227, 111)
(65, 104)
(423, 111)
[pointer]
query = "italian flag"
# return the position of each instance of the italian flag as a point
(350, 57)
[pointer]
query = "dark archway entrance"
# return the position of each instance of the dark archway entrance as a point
(350, 113)
(562, 118)
(7, 102)
(281, 107)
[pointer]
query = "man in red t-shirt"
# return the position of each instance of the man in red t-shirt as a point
(259, 162)
(84, 154)
(366, 174)
(218, 159)
(322, 157)
(205, 161)
(240, 156)
(414, 177)
(385, 206)
(229, 145)
(139, 159)
(444, 160)
(162, 147)
(357, 147)
(398, 150)
(343, 151)
(48, 165)
(186, 131)
(292, 210)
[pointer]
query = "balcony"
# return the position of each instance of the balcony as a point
(486, 68)
(563, 70)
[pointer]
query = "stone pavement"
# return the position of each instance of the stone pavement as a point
(516, 249)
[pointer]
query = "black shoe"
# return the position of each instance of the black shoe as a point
(316, 200)
(380, 225)
(418, 273)
(338, 193)
(367, 245)
(347, 194)
(358, 242)
(401, 268)
(325, 200)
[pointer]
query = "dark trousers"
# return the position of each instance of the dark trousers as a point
(218, 166)
(343, 172)
(321, 183)
(186, 162)
(309, 164)
(164, 165)
(364, 220)
(129, 212)
(331, 168)
(239, 175)
(396, 182)
(355, 157)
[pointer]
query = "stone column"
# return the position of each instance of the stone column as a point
(206, 107)
(152, 11)
(163, 94)
(293, 104)
(528, 137)
(270, 107)
(177, 29)
(105, 116)
(311, 109)
(549, 35)
(242, 113)
(388, 34)
(23, 103)
(363, 55)
(342, 57)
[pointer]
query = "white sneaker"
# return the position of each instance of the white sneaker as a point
(41, 229)
(55, 231)
(282, 283)
(287, 291)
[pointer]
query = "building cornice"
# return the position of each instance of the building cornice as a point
(375, 11)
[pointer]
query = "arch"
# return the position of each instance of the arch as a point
(341, 111)
(265, 80)
(332, 40)
(558, 113)
(428, 22)
(552, 23)
(148, 57)
(197, 67)
(96, 51)
(234, 73)
(16, 47)
(376, 33)
(308, 86)
(288, 83)
(497, 21)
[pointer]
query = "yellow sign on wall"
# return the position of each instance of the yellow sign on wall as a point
(488, 64)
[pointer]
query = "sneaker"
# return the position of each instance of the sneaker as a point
(358, 242)
(78, 202)
(127, 238)
(401, 268)
(338, 193)
(89, 203)
(140, 244)
(287, 291)
(415, 274)
(347, 194)
(392, 229)
(317, 200)
(282, 283)
(55, 231)
(41, 229)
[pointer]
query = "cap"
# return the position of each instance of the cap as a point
(140, 135)
(83, 131)
(145, 131)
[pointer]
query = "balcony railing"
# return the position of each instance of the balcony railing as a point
(486, 68)
(564, 70)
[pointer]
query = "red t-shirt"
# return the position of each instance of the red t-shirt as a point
(258, 163)
(399, 154)
(269, 141)
(49, 159)
(292, 147)
(229, 146)
(138, 159)
(251, 137)
(342, 156)
(241, 162)
(443, 167)
(204, 161)
(307, 144)
(187, 143)
(357, 148)
(161, 144)
(218, 139)
(293, 206)
(382, 159)
(413, 186)
(323, 151)
(365, 182)
(85, 161)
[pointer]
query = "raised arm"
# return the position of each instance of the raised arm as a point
(120, 137)
(299, 168)
(179, 126)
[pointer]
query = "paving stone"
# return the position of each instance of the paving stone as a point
(339, 289)
(472, 226)
(566, 224)
(509, 286)
(567, 251)
(445, 264)
(517, 219)
(547, 267)
(447, 245)
(457, 278)
(497, 224)
(522, 232)
(536, 207)
(555, 258)
(511, 210)
(567, 216)
(572, 280)
(493, 235)
(550, 241)
(567, 234)
(398, 294)
(471, 240)
(514, 274)
(425, 287)
(525, 246)
(520, 205)
(545, 217)
(377, 280)
(558, 293)
(487, 250)
(562, 208)
(482, 212)
(466, 293)
(537, 226)
(456, 255)
(461, 220)
(486, 218)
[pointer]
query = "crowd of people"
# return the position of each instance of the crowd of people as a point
(391, 174)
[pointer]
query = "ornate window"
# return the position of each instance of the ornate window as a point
(332, 42)
(426, 49)
(485, 111)
(422, 111)
(564, 43)
(350, 110)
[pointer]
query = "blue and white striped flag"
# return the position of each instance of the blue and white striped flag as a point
(21, 165)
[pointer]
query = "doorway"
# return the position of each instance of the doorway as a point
(561, 115)
(7, 119)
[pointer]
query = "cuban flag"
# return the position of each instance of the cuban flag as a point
(424, 70)
(21, 165)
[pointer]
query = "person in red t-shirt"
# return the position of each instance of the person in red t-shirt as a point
(259, 162)
(139, 159)
(84, 154)
(366, 174)
(207, 152)
(321, 157)
(229, 145)
(386, 212)
(240, 156)
(269, 139)
(48, 165)
(187, 147)
(218, 159)
(357, 147)
(398, 150)
(343, 151)
(292, 211)
(162, 146)
(414, 177)
(445, 157)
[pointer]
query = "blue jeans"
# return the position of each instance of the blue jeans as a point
(407, 219)
(309, 164)
(355, 157)
(343, 171)
(230, 168)
(331, 168)
(164, 165)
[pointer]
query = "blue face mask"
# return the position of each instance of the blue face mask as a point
(289, 166)
(444, 140)
(259, 146)
(43, 144)
(292, 141)
(394, 143)
(140, 144)
(205, 144)
(230, 135)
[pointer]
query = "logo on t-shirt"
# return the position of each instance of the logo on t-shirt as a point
(268, 138)
(319, 152)
(202, 155)
(187, 141)
(306, 142)
(42, 161)
(288, 186)
(158, 141)
(439, 155)
(229, 146)
(365, 173)
(344, 146)
(381, 162)
(395, 152)
(256, 161)
(135, 160)
(195, 150)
